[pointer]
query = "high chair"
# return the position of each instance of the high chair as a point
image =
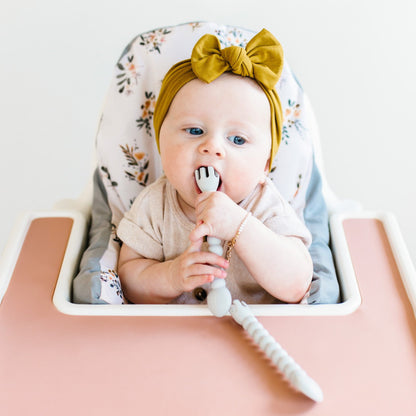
(76, 347)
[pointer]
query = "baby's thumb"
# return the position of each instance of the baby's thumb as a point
(200, 231)
(195, 245)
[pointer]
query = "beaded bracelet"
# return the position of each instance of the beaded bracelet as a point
(231, 244)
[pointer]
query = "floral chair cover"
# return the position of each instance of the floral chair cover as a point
(128, 158)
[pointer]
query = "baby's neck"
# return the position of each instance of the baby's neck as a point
(188, 211)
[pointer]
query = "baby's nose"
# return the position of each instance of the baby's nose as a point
(212, 146)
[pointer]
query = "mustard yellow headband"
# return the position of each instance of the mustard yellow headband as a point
(262, 60)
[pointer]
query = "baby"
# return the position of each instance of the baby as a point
(217, 109)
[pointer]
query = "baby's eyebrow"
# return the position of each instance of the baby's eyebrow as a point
(243, 126)
(187, 117)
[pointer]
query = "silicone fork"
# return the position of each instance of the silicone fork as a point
(219, 303)
(219, 297)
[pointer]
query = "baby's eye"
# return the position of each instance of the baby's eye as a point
(237, 140)
(194, 131)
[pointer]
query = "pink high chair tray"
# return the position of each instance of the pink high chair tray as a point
(57, 364)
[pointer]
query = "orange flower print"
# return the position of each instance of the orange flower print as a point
(147, 112)
(231, 37)
(195, 25)
(153, 40)
(137, 164)
(111, 278)
(292, 118)
(127, 78)
(140, 176)
(298, 184)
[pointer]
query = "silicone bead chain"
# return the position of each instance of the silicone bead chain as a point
(294, 374)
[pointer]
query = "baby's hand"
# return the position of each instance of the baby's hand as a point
(217, 215)
(194, 268)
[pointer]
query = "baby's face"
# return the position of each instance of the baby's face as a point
(224, 124)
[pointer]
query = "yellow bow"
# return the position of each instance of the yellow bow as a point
(262, 59)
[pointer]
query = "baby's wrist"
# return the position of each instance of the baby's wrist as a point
(237, 217)
(173, 281)
(233, 241)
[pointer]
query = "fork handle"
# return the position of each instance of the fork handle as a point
(219, 297)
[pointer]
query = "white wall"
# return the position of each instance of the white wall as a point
(356, 59)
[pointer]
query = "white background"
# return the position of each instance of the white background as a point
(355, 59)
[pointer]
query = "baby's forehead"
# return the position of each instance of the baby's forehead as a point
(227, 87)
(227, 79)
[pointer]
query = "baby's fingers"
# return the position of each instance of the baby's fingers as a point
(206, 270)
(195, 246)
(206, 258)
(200, 274)
(200, 231)
(202, 267)
(194, 267)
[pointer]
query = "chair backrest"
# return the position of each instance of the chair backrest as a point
(127, 154)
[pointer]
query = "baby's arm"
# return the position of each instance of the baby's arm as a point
(150, 281)
(280, 264)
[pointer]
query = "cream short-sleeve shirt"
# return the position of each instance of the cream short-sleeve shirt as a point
(156, 228)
